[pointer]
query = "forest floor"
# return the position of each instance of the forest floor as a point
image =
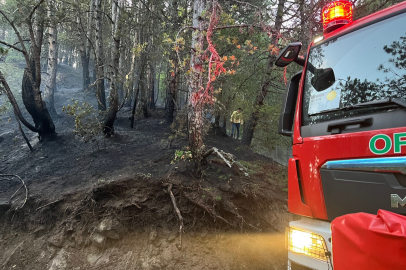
(109, 205)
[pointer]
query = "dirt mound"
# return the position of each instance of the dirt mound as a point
(131, 222)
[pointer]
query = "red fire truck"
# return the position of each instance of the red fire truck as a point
(346, 114)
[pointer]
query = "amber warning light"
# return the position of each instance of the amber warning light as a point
(336, 14)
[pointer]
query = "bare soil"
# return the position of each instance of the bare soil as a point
(108, 206)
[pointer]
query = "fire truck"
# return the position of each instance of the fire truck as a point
(346, 113)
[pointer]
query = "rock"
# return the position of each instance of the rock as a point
(171, 238)
(170, 255)
(39, 231)
(60, 261)
(153, 235)
(204, 234)
(107, 224)
(98, 239)
(57, 240)
(111, 234)
(98, 259)
(225, 187)
(4, 205)
(78, 239)
(108, 228)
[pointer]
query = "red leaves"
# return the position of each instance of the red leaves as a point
(216, 63)
(284, 75)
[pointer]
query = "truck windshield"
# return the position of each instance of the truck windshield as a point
(368, 65)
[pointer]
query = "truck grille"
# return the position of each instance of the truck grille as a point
(296, 266)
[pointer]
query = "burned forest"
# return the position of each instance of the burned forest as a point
(143, 134)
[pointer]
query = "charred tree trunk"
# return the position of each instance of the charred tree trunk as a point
(151, 101)
(108, 124)
(143, 101)
(100, 92)
(134, 108)
(31, 93)
(251, 123)
(143, 98)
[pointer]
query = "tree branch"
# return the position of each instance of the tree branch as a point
(34, 9)
(11, 46)
(13, 101)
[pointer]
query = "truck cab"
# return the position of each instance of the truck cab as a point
(346, 114)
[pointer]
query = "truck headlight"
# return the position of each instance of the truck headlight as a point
(306, 243)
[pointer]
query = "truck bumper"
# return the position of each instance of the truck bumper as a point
(300, 257)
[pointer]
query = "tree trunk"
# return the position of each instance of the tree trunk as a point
(251, 123)
(108, 124)
(50, 86)
(143, 99)
(173, 87)
(85, 56)
(132, 75)
(100, 92)
(31, 93)
(151, 101)
(195, 109)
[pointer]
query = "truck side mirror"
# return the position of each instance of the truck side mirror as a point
(289, 54)
(288, 107)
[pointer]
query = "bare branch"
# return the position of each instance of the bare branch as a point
(247, 3)
(15, 104)
(34, 9)
(11, 46)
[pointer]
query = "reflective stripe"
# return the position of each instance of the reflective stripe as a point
(389, 164)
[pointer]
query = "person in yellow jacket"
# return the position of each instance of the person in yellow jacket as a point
(236, 121)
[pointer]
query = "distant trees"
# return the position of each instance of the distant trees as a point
(208, 57)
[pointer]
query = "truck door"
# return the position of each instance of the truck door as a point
(352, 109)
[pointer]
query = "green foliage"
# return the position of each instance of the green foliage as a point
(182, 155)
(3, 109)
(87, 123)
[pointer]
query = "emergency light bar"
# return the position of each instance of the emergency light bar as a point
(336, 14)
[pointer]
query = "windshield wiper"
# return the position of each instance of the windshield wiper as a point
(381, 102)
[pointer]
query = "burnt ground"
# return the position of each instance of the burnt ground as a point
(107, 205)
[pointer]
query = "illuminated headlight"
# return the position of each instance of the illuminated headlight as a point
(306, 243)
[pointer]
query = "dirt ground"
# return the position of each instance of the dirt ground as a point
(109, 206)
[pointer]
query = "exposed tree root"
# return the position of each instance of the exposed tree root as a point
(22, 181)
(212, 212)
(178, 213)
(48, 204)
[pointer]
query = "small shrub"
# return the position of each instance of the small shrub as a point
(87, 123)
(183, 155)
